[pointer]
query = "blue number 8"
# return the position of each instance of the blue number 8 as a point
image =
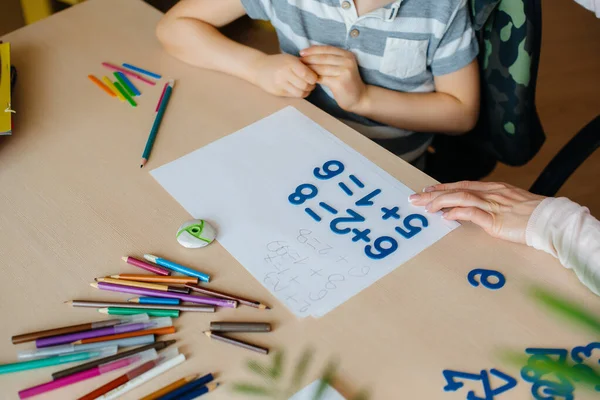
(329, 173)
(381, 251)
(300, 195)
(484, 279)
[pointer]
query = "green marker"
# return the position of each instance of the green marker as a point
(52, 361)
(152, 312)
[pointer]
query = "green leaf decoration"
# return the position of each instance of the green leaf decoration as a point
(251, 389)
(362, 395)
(300, 371)
(326, 379)
(259, 369)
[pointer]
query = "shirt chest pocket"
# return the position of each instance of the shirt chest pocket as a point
(404, 58)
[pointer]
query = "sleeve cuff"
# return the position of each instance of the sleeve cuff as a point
(456, 61)
(255, 9)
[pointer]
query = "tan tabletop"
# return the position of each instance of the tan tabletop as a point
(73, 200)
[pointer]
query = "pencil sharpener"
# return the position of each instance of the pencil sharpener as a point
(195, 234)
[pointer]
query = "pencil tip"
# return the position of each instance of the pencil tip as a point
(267, 308)
(169, 342)
(68, 302)
(103, 310)
(207, 333)
(94, 285)
(134, 300)
(142, 166)
(124, 258)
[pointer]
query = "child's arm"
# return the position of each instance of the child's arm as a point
(452, 108)
(189, 32)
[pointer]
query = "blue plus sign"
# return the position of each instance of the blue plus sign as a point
(361, 235)
(393, 213)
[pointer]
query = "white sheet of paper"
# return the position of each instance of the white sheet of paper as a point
(242, 185)
(308, 393)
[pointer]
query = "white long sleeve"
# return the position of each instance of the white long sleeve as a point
(592, 5)
(567, 231)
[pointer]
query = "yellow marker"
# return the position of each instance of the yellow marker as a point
(113, 88)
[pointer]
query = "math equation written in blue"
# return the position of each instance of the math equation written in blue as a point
(352, 221)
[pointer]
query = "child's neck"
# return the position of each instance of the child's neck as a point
(366, 6)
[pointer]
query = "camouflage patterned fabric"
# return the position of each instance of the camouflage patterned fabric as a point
(509, 32)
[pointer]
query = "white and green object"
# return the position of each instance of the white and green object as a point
(195, 234)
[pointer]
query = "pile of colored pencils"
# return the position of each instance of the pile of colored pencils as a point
(122, 88)
(98, 345)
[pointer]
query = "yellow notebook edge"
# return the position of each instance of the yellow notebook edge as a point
(5, 100)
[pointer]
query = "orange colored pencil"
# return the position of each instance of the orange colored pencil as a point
(102, 86)
(177, 280)
(169, 388)
(158, 331)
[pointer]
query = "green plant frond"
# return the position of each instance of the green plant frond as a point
(259, 369)
(277, 368)
(362, 395)
(251, 389)
(327, 379)
(300, 371)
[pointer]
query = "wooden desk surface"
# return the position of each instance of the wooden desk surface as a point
(73, 200)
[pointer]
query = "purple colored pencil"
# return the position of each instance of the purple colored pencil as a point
(73, 337)
(158, 293)
(147, 266)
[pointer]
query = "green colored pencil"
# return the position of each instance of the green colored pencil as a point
(52, 361)
(152, 312)
(125, 94)
(124, 84)
(160, 112)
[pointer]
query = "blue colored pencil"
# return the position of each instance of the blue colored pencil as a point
(142, 71)
(154, 300)
(188, 387)
(162, 106)
(177, 268)
(125, 80)
(195, 393)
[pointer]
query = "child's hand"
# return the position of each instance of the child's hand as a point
(500, 209)
(338, 70)
(284, 75)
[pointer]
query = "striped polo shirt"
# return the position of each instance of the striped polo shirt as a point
(400, 46)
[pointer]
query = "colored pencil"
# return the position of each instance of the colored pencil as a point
(177, 267)
(142, 71)
(83, 367)
(214, 293)
(76, 348)
(167, 330)
(169, 388)
(154, 300)
(127, 84)
(176, 394)
(84, 375)
(148, 267)
(195, 393)
(236, 342)
(103, 304)
(102, 86)
(112, 87)
(123, 91)
(145, 285)
(29, 337)
(157, 293)
(157, 120)
(222, 326)
(72, 337)
(162, 95)
(121, 380)
(56, 360)
(129, 73)
(174, 280)
(163, 367)
(133, 311)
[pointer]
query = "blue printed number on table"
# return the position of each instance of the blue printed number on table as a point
(351, 221)
(453, 384)
(484, 278)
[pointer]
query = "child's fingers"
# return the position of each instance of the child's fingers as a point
(305, 73)
(322, 50)
(326, 70)
(457, 199)
(324, 59)
(293, 91)
(298, 82)
(473, 214)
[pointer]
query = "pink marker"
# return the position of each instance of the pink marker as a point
(127, 72)
(144, 356)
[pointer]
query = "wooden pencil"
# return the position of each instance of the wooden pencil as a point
(103, 304)
(173, 280)
(236, 342)
(221, 295)
(170, 387)
(145, 285)
(158, 331)
(29, 337)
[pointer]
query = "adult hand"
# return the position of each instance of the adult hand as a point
(338, 70)
(500, 209)
(284, 75)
